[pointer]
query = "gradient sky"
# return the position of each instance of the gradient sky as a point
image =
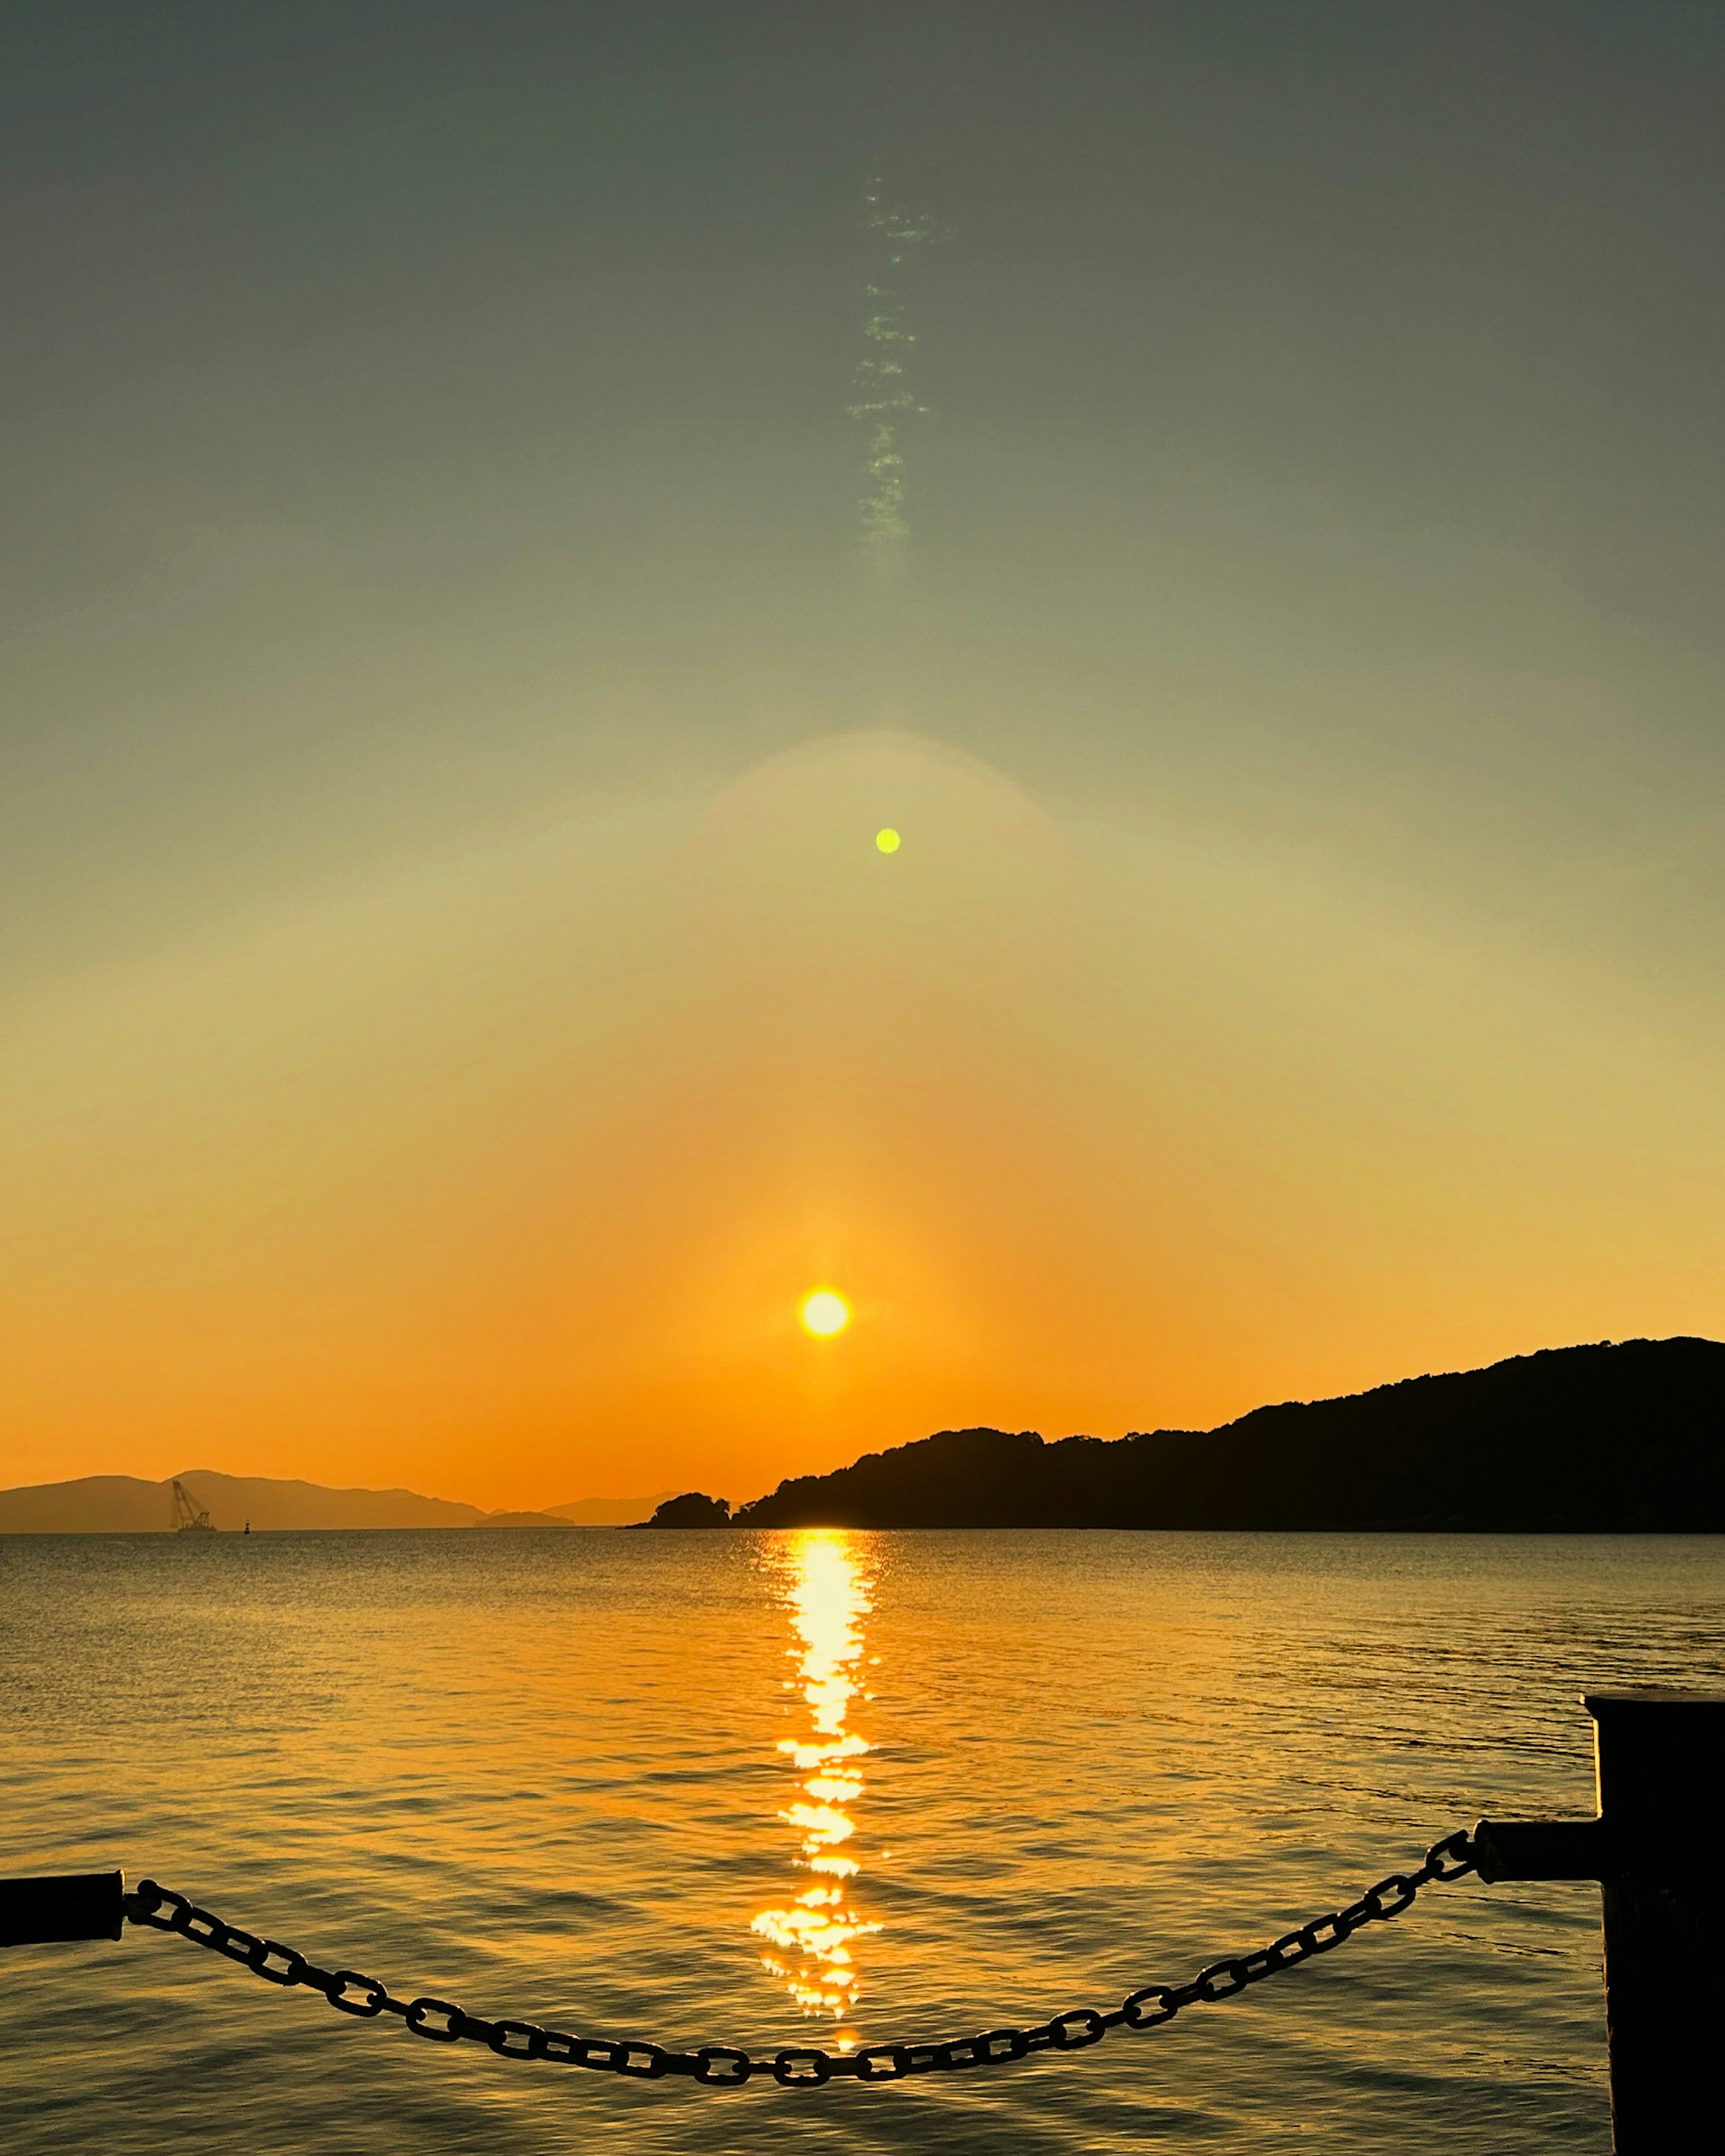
(451, 1006)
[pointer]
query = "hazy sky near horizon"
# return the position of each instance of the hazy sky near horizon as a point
(451, 1004)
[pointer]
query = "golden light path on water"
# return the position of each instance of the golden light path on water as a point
(811, 1942)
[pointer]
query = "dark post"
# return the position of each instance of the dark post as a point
(88, 1905)
(1654, 1849)
(1662, 1767)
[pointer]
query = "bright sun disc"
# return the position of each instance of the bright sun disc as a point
(824, 1313)
(887, 840)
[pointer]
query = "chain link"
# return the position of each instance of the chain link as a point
(719, 2066)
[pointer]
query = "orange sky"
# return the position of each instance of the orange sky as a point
(501, 1173)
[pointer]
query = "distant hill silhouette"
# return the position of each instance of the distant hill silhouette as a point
(123, 1504)
(609, 1511)
(1630, 1436)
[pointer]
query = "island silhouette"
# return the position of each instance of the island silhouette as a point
(1613, 1437)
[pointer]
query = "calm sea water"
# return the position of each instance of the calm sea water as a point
(784, 1789)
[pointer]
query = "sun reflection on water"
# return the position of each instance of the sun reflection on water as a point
(810, 1943)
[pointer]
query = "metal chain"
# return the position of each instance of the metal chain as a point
(719, 2065)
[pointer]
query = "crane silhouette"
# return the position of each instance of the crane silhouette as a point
(189, 1517)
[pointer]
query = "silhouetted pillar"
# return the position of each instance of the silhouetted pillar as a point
(1654, 1849)
(89, 1904)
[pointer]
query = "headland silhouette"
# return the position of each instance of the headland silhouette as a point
(1628, 1436)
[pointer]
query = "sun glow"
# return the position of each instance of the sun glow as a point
(824, 1313)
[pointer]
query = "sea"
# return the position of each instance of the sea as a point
(816, 1788)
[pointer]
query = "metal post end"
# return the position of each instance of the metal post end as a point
(1541, 1848)
(86, 1905)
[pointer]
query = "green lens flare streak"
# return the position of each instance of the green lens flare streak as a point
(882, 398)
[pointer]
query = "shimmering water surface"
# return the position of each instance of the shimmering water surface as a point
(822, 1788)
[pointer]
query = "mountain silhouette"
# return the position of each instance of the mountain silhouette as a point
(124, 1504)
(1596, 1438)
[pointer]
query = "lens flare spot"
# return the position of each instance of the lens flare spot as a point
(824, 1313)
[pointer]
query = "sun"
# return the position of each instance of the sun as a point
(824, 1313)
(887, 841)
